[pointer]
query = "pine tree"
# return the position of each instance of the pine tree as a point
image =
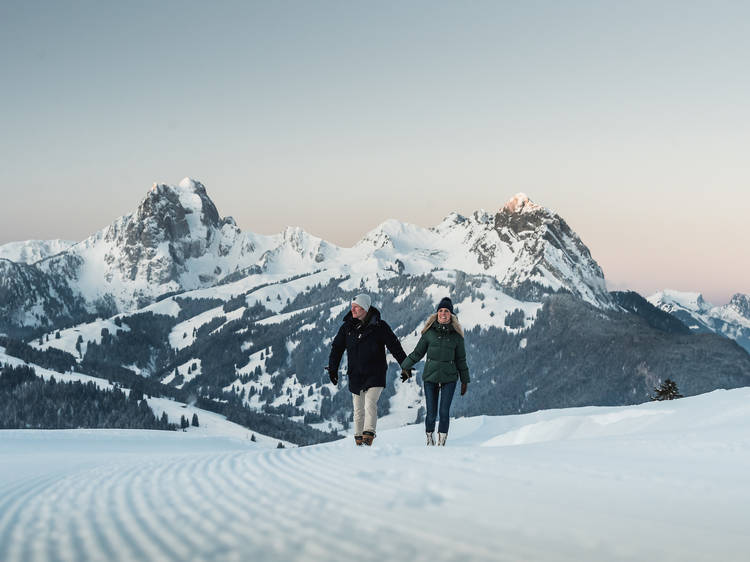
(195, 421)
(280, 445)
(666, 391)
(252, 438)
(184, 423)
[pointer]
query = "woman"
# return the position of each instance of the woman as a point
(443, 342)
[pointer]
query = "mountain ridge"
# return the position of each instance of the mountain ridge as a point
(176, 240)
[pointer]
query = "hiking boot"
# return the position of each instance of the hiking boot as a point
(358, 440)
(367, 437)
(430, 439)
(441, 439)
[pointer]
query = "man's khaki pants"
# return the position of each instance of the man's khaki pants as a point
(366, 409)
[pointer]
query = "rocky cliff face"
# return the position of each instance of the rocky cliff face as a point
(547, 255)
(741, 305)
(32, 300)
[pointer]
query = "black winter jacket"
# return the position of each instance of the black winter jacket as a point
(364, 343)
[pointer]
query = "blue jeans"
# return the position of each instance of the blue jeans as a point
(431, 392)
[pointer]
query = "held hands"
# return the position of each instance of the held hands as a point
(333, 376)
(464, 386)
(405, 375)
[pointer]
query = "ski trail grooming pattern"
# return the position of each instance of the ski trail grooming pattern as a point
(225, 505)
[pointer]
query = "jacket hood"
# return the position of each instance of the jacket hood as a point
(454, 323)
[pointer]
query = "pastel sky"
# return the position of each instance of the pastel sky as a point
(629, 119)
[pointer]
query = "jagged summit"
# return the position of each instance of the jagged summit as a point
(741, 303)
(670, 300)
(190, 183)
(188, 197)
(520, 203)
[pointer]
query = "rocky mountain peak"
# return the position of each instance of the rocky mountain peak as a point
(172, 224)
(521, 215)
(671, 300)
(520, 203)
(189, 197)
(741, 303)
(547, 254)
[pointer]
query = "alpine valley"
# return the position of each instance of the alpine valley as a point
(181, 303)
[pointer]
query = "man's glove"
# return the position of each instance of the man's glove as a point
(405, 375)
(463, 388)
(333, 376)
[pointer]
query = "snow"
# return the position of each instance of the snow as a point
(726, 320)
(670, 300)
(89, 332)
(31, 251)
(255, 361)
(520, 203)
(404, 406)
(656, 481)
(185, 370)
(477, 312)
(47, 374)
(182, 334)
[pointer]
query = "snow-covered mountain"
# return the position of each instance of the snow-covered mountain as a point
(530, 250)
(32, 251)
(175, 294)
(176, 241)
(731, 320)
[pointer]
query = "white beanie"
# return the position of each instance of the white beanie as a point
(363, 300)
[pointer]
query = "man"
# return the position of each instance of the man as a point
(364, 337)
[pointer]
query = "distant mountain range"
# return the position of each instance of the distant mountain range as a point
(731, 320)
(178, 296)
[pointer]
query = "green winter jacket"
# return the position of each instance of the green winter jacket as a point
(446, 354)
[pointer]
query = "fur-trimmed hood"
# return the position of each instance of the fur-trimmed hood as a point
(454, 322)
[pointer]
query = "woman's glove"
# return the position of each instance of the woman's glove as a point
(405, 375)
(333, 376)
(464, 386)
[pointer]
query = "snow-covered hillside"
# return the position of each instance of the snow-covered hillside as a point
(211, 425)
(731, 320)
(658, 481)
(31, 251)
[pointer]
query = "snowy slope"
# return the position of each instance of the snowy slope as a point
(31, 251)
(731, 320)
(658, 481)
(211, 425)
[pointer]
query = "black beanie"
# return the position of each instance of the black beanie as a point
(445, 302)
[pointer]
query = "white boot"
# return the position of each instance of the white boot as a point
(430, 439)
(441, 439)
